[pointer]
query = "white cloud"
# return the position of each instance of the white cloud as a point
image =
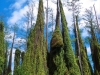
(88, 51)
(17, 15)
(19, 41)
(52, 28)
(9, 36)
(18, 4)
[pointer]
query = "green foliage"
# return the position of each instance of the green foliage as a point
(10, 73)
(17, 61)
(35, 62)
(57, 63)
(84, 58)
(95, 48)
(19, 70)
(90, 67)
(1, 64)
(85, 65)
(57, 40)
(69, 54)
(6, 59)
(2, 51)
(60, 64)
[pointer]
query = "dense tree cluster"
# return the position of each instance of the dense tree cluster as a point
(61, 59)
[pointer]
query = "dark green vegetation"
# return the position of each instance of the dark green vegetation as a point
(84, 58)
(2, 48)
(69, 54)
(17, 61)
(94, 44)
(95, 49)
(57, 63)
(35, 62)
(61, 59)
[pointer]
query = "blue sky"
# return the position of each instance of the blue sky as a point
(14, 11)
(3, 7)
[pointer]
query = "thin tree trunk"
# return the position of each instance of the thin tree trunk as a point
(96, 16)
(78, 45)
(47, 26)
(58, 14)
(10, 58)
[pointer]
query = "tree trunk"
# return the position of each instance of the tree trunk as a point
(10, 57)
(47, 26)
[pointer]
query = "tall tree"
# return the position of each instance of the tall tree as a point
(57, 63)
(29, 19)
(2, 51)
(75, 7)
(6, 59)
(69, 54)
(17, 61)
(84, 59)
(95, 46)
(12, 46)
(35, 62)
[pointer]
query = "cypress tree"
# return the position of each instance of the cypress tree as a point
(2, 51)
(35, 62)
(69, 56)
(57, 63)
(95, 49)
(17, 61)
(94, 45)
(5, 61)
(84, 58)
